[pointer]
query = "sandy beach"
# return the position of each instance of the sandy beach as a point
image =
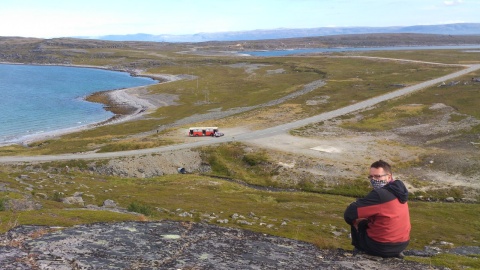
(133, 103)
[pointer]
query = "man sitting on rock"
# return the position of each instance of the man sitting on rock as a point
(380, 222)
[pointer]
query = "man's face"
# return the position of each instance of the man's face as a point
(379, 178)
(379, 174)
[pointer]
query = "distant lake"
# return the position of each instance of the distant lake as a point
(39, 99)
(346, 49)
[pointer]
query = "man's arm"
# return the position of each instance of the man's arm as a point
(351, 214)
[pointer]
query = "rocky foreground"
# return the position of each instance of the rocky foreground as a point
(172, 245)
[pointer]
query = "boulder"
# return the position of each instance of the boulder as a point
(73, 200)
(109, 204)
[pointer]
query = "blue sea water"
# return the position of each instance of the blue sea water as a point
(357, 49)
(39, 99)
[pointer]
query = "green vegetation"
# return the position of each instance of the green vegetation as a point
(451, 261)
(392, 113)
(256, 168)
(139, 208)
(2, 204)
(253, 168)
(60, 217)
(58, 196)
(385, 119)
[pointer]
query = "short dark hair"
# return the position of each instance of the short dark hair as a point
(382, 164)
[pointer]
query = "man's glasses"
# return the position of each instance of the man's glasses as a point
(377, 176)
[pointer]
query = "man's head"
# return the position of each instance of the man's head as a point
(380, 174)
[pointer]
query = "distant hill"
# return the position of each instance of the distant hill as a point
(443, 29)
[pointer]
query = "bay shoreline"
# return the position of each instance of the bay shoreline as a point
(125, 104)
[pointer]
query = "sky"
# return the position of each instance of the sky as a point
(93, 18)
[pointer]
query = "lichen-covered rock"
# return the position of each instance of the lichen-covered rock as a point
(25, 204)
(172, 245)
(73, 200)
(109, 204)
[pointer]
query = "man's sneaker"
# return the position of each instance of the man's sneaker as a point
(401, 255)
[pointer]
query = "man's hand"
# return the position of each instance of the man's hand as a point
(358, 220)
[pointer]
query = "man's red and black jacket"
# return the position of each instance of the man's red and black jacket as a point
(387, 212)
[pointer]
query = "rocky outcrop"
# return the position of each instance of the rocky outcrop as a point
(147, 166)
(172, 245)
(25, 204)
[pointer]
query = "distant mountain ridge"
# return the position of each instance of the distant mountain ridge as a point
(443, 29)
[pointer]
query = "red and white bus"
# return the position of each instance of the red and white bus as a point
(204, 131)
